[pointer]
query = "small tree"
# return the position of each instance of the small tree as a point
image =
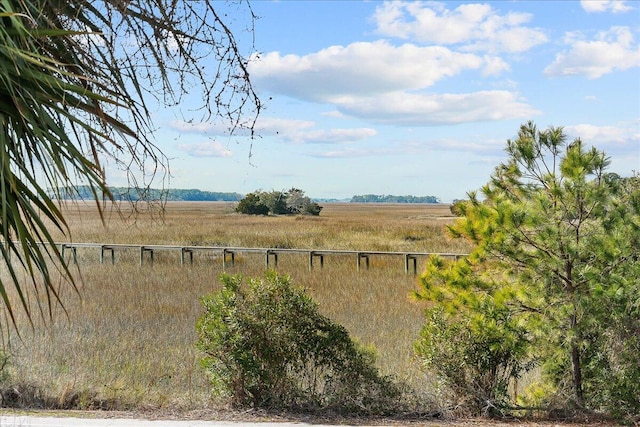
(298, 203)
(311, 208)
(556, 247)
(472, 341)
(276, 201)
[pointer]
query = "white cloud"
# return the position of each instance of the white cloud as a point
(612, 50)
(428, 110)
(206, 149)
(287, 130)
(264, 126)
(494, 66)
(332, 136)
(615, 6)
(474, 27)
(345, 153)
(275, 126)
(611, 139)
(362, 68)
(304, 131)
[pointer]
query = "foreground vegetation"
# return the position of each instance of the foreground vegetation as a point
(128, 338)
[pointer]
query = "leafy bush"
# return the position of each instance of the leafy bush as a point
(252, 205)
(266, 345)
(474, 351)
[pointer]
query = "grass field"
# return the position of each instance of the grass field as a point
(127, 337)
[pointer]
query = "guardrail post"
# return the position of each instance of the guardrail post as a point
(365, 257)
(107, 248)
(313, 254)
(142, 252)
(413, 258)
(74, 252)
(275, 258)
(224, 258)
(186, 251)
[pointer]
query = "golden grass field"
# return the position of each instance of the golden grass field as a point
(127, 338)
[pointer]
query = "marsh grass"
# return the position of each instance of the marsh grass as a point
(127, 338)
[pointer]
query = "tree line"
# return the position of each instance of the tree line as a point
(84, 192)
(375, 198)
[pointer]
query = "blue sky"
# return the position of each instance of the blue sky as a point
(417, 97)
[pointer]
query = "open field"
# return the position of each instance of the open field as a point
(127, 338)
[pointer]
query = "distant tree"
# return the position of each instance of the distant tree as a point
(251, 204)
(295, 200)
(311, 208)
(276, 201)
(553, 275)
(299, 203)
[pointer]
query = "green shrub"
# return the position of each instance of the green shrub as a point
(252, 205)
(266, 345)
(474, 358)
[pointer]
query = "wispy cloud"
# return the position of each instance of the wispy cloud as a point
(611, 139)
(411, 109)
(206, 149)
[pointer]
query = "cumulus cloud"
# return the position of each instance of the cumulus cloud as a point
(473, 27)
(615, 6)
(206, 149)
(362, 68)
(343, 153)
(385, 83)
(428, 110)
(612, 50)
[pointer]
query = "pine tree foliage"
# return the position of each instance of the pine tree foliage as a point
(554, 271)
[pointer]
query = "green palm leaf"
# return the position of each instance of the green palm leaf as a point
(71, 96)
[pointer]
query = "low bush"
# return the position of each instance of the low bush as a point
(474, 359)
(265, 344)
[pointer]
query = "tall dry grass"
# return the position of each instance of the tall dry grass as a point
(127, 337)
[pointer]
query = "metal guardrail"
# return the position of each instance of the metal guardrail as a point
(228, 254)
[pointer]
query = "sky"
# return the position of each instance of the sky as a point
(416, 98)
